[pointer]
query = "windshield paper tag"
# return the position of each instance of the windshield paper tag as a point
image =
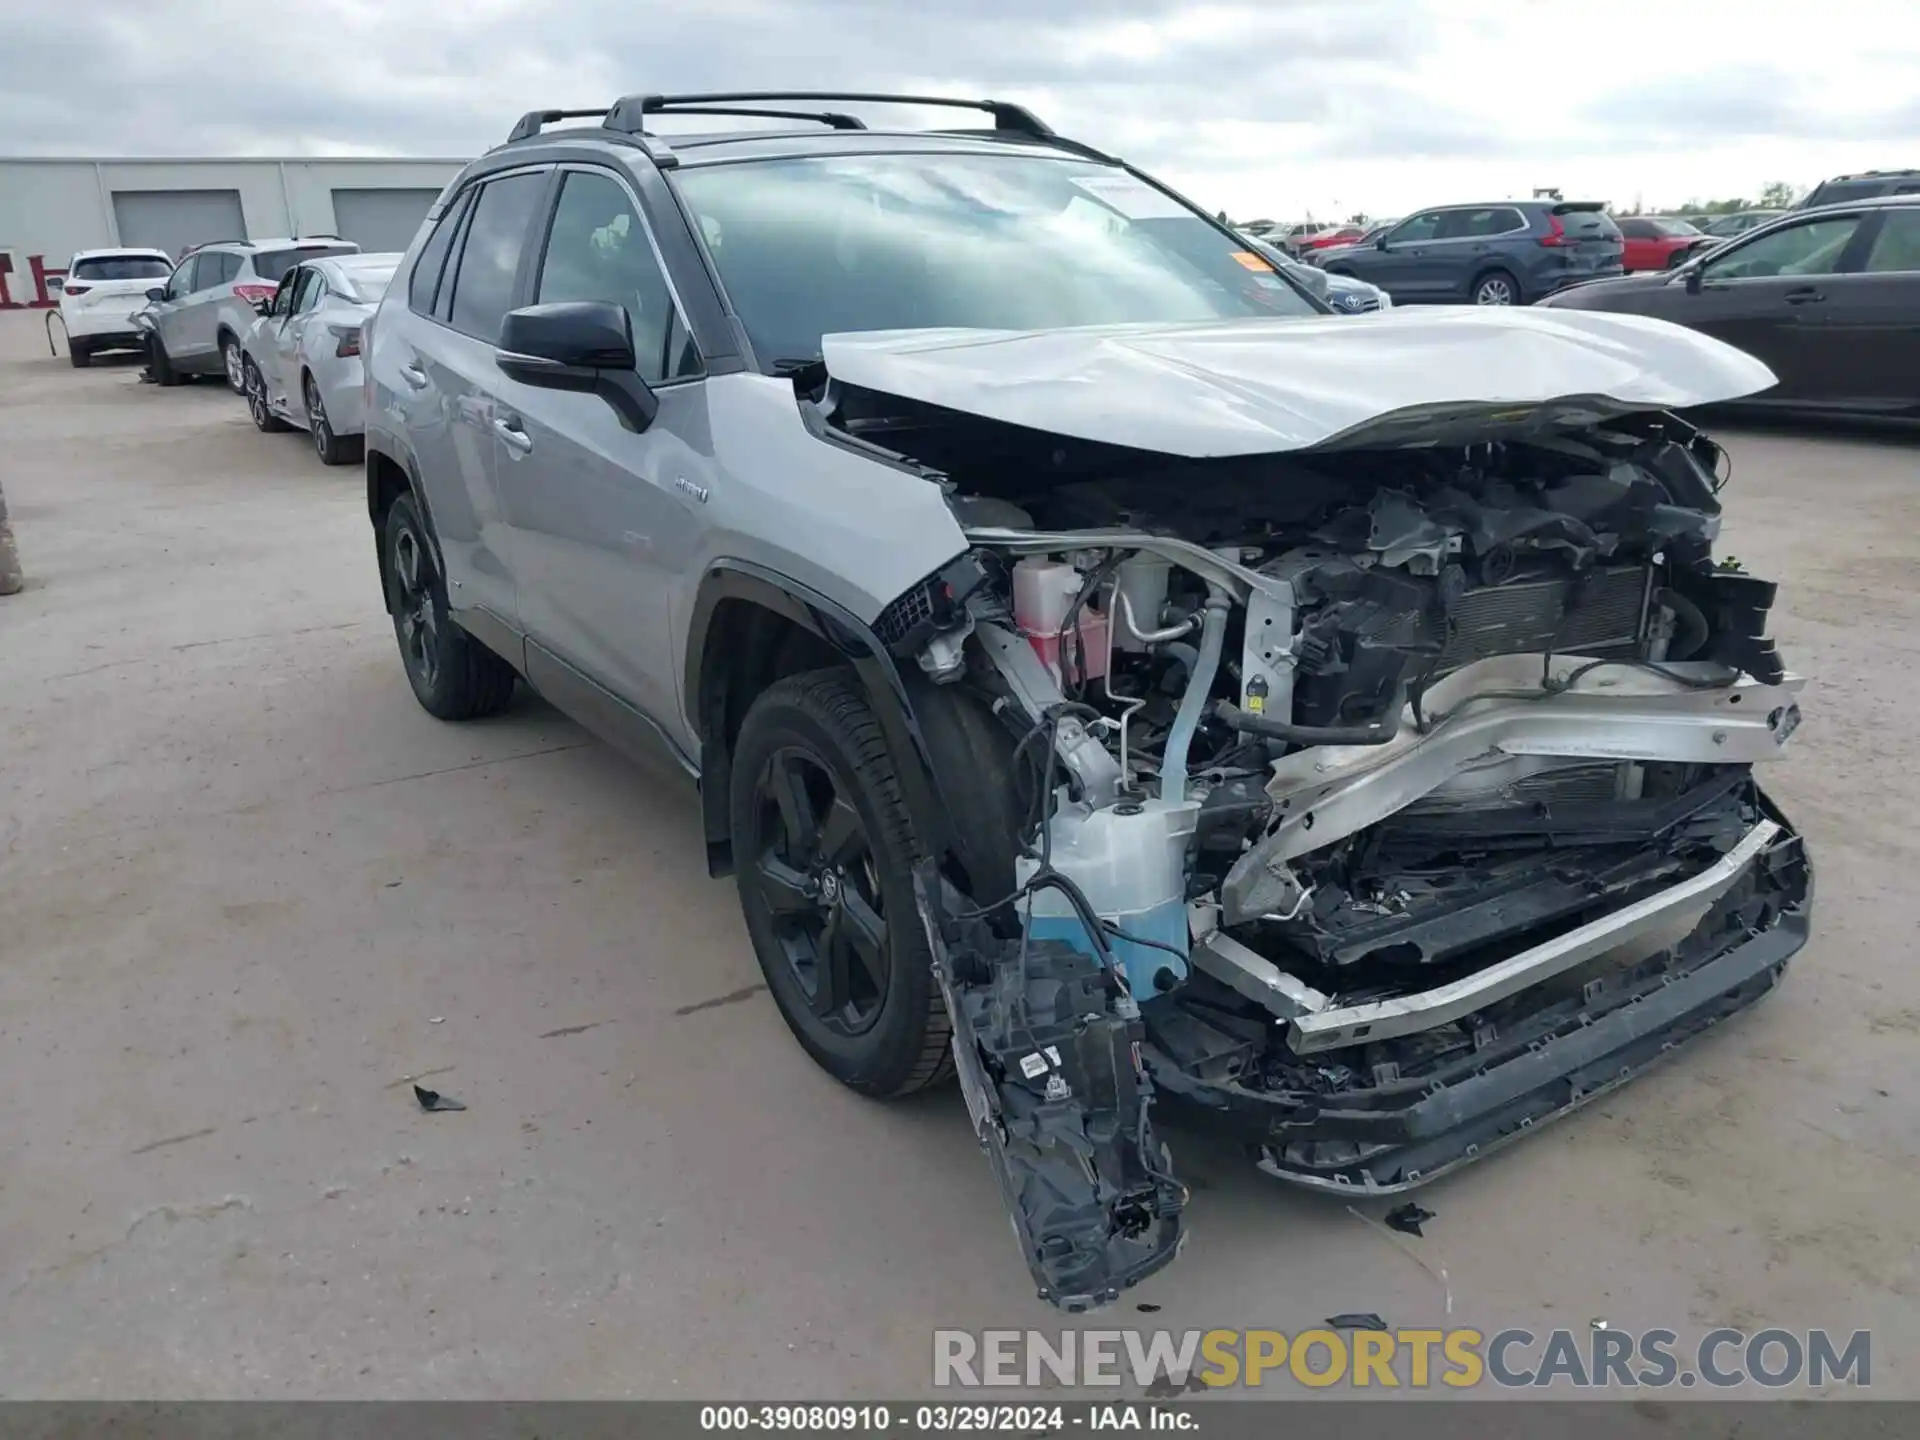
(1131, 196)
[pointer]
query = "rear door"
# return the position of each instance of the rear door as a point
(1863, 341)
(602, 518)
(452, 385)
(1472, 240)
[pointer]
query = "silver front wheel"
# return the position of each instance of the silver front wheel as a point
(236, 375)
(1494, 290)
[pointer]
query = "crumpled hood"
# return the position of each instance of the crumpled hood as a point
(1246, 387)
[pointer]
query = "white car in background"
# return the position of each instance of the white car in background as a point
(99, 295)
(300, 360)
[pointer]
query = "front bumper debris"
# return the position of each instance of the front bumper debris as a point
(1048, 1051)
(1384, 1117)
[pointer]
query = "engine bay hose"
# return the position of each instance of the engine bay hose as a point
(1213, 630)
(1235, 718)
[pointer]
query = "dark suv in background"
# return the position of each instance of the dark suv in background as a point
(1867, 185)
(1509, 253)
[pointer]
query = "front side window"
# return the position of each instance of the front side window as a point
(821, 245)
(598, 250)
(181, 281)
(312, 290)
(1813, 247)
(283, 297)
(1420, 227)
(490, 258)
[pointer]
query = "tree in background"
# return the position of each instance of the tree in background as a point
(1777, 195)
(1774, 195)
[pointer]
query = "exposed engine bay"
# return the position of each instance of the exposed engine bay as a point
(1372, 804)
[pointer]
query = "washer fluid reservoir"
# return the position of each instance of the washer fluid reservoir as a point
(1131, 861)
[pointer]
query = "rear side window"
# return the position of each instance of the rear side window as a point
(120, 267)
(1479, 223)
(1897, 246)
(490, 256)
(598, 250)
(424, 283)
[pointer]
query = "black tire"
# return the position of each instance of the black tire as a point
(1495, 281)
(78, 355)
(813, 739)
(331, 448)
(264, 420)
(163, 372)
(454, 676)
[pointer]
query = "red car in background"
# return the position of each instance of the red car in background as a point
(1659, 242)
(1326, 239)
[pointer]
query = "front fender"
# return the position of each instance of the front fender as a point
(848, 637)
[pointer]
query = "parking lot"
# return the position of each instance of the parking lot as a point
(248, 889)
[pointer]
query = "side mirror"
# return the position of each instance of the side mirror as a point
(584, 345)
(157, 294)
(1380, 243)
(56, 284)
(263, 306)
(1693, 282)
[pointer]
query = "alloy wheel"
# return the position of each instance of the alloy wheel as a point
(236, 378)
(317, 421)
(415, 613)
(256, 392)
(1494, 290)
(813, 867)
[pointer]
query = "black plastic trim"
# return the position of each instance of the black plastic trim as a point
(631, 731)
(849, 637)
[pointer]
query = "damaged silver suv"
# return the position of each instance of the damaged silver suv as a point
(1108, 675)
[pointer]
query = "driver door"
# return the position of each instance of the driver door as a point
(1404, 265)
(167, 312)
(286, 343)
(1768, 297)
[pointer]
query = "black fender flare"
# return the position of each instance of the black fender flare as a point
(395, 451)
(871, 662)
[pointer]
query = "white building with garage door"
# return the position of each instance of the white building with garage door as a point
(50, 208)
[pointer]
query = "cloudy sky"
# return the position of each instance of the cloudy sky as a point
(1280, 108)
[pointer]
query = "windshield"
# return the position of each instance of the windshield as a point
(274, 264)
(121, 267)
(820, 245)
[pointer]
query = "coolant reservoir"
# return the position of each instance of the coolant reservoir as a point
(1043, 594)
(1131, 862)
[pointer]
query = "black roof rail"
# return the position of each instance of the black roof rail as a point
(630, 112)
(531, 123)
(825, 117)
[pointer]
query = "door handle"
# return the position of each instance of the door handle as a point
(513, 437)
(414, 376)
(1806, 295)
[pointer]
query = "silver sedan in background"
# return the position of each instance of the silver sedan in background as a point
(301, 361)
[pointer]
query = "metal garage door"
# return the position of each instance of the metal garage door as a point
(379, 220)
(171, 220)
